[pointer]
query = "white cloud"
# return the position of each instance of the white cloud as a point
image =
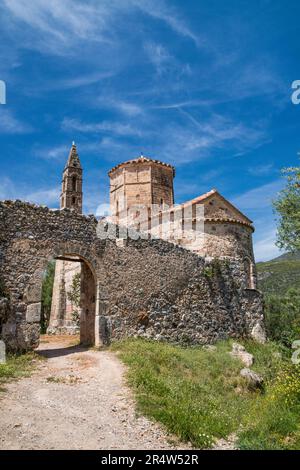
(77, 82)
(261, 170)
(118, 128)
(258, 202)
(9, 124)
(48, 197)
(260, 197)
(58, 152)
(6, 188)
(61, 24)
(158, 56)
(164, 12)
(127, 108)
(45, 196)
(265, 248)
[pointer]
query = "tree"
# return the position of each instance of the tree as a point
(47, 291)
(288, 208)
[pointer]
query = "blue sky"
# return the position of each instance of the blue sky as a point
(202, 84)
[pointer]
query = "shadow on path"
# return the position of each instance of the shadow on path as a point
(58, 352)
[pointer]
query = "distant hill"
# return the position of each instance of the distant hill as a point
(278, 275)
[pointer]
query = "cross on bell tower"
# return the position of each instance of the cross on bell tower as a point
(71, 195)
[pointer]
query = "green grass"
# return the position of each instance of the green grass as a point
(198, 394)
(273, 421)
(16, 366)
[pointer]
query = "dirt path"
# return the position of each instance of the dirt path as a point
(76, 399)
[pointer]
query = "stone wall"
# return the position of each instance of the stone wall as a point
(150, 288)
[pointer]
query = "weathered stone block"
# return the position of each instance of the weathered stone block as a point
(33, 313)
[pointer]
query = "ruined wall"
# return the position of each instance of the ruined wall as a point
(150, 288)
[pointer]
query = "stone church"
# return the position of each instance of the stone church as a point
(142, 197)
(182, 273)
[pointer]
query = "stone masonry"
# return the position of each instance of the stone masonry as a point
(149, 288)
(142, 197)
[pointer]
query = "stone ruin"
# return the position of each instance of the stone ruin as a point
(153, 288)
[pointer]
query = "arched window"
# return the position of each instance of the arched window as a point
(74, 183)
(73, 200)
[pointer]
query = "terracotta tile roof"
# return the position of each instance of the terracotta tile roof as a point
(141, 159)
(229, 220)
(213, 192)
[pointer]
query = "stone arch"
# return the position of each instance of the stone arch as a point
(93, 324)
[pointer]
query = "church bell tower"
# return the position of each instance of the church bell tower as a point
(71, 195)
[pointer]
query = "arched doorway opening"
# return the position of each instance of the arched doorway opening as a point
(73, 299)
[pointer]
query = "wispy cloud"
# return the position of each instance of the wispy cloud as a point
(118, 128)
(43, 196)
(77, 82)
(161, 10)
(260, 197)
(261, 170)
(200, 137)
(61, 24)
(257, 203)
(158, 56)
(265, 248)
(57, 152)
(9, 124)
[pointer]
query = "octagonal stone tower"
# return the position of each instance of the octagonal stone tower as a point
(141, 181)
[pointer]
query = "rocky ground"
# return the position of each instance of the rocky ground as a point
(75, 399)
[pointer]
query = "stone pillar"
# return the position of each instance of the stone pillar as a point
(102, 324)
(58, 307)
(88, 306)
(2, 352)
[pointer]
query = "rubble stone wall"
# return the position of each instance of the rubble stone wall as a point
(150, 288)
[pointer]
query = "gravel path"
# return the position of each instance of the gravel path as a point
(76, 399)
